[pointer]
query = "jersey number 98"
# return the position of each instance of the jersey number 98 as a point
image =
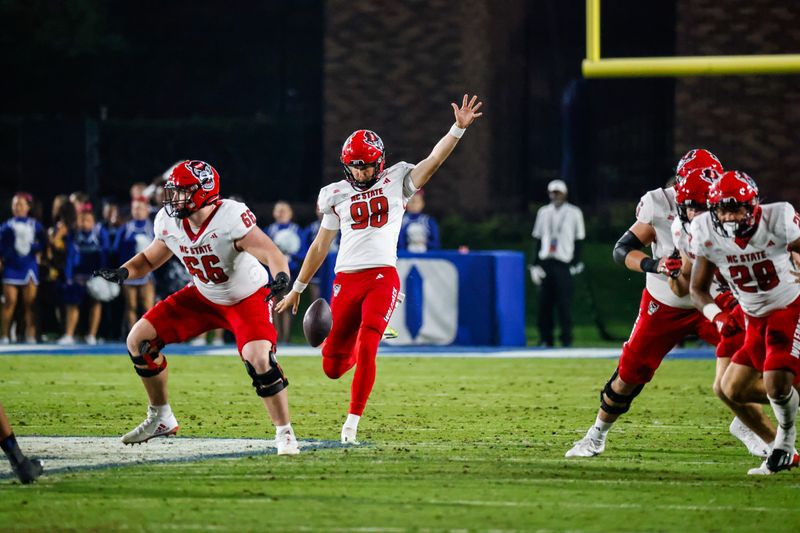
(374, 214)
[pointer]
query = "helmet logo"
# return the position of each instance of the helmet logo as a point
(372, 139)
(202, 171)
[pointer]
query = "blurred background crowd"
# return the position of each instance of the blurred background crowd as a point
(48, 254)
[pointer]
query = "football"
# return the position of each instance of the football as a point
(317, 322)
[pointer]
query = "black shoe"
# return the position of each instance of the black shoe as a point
(28, 470)
(782, 460)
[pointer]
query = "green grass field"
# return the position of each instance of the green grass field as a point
(451, 444)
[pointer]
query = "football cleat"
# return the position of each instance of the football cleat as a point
(349, 435)
(152, 427)
(755, 445)
(390, 333)
(586, 447)
(286, 443)
(28, 470)
(777, 461)
(782, 460)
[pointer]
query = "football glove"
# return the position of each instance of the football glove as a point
(114, 275)
(726, 324)
(278, 287)
(673, 264)
(726, 301)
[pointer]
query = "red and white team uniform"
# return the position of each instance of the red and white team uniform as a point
(366, 286)
(682, 240)
(227, 289)
(664, 318)
(758, 270)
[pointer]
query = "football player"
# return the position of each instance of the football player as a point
(664, 318)
(749, 425)
(367, 206)
(27, 470)
(223, 249)
(751, 244)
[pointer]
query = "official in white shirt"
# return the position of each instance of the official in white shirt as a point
(557, 236)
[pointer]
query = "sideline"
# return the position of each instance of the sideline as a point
(482, 352)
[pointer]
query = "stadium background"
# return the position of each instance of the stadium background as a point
(99, 95)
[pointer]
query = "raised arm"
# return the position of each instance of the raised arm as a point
(465, 115)
(316, 254)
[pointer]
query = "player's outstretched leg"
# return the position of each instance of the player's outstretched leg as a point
(270, 384)
(27, 470)
(151, 365)
(615, 400)
(366, 351)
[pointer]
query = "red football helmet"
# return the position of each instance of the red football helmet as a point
(692, 191)
(732, 191)
(697, 158)
(191, 185)
(361, 150)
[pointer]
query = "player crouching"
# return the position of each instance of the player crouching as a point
(223, 249)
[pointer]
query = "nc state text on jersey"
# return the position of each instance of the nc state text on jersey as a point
(746, 258)
(202, 249)
(366, 195)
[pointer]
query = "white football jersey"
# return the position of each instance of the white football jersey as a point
(658, 209)
(758, 270)
(221, 273)
(681, 237)
(369, 220)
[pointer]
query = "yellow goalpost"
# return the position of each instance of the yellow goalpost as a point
(639, 67)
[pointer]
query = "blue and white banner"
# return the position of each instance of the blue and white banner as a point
(452, 298)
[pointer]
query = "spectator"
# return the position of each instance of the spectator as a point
(419, 232)
(87, 251)
(132, 238)
(288, 237)
(557, 234)
(79, 199)
(64, 219)
(310, 234)
(21, 238)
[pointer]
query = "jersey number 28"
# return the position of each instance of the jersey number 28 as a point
(765, 274)
(375, 213)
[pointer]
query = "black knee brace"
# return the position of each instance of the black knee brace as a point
(270, 382)
(617, 397)
(150, 351)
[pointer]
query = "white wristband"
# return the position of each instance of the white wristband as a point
(456, 132)
(299, 286)
(711, 310)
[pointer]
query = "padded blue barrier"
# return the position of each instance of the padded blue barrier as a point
(453, 298)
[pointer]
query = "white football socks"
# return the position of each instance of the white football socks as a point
(786, 413)
(599, 430)
(352, 421)
(162, 410)
(280, 429)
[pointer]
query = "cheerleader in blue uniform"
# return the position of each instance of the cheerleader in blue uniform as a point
(21, 238)
(290, 238)
(131, 238)
(87, 251)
